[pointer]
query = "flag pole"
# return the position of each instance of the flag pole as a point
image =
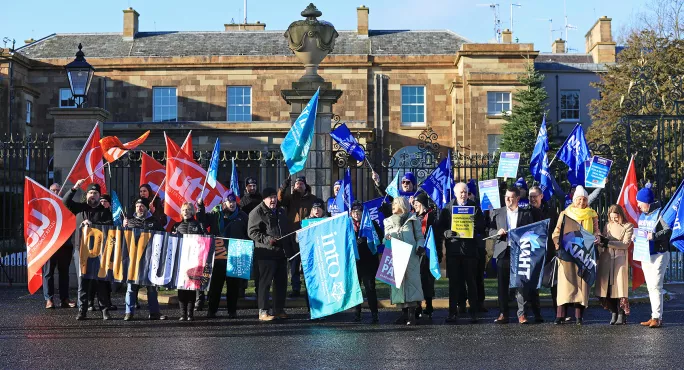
(201, 195)
(59, 194)
(369, 164)
(159, 188)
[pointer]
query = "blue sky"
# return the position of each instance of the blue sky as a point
(38, 18)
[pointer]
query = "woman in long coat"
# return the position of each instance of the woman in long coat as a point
(572, 289)
(406, 227)
(612, 282)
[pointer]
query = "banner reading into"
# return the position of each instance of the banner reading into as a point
(463, 221)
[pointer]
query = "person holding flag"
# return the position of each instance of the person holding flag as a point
(89, 213)
(659, 247)
(156, 205)
(428, 218)
(406, 189)
(368, 262)
(524, 202)
(332, 205)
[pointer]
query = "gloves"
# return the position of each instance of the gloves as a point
(286, 183)
(420, 250)
(448, 234)
(359, 241)
(273, 242)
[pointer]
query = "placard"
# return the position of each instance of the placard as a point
(463, 221)
(597, 174)
(642, 250)
(489, 194)
(508, 165)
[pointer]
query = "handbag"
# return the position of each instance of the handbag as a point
(550, 278)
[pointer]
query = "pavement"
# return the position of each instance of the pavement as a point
(32, 337)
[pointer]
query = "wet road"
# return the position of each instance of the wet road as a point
(31, 337)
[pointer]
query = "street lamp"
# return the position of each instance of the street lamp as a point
(80, 74)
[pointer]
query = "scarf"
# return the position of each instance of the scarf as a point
(225, 219)
(585, 216)
(357, 225)
(423, 221)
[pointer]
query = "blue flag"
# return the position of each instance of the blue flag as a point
(431, 253)
(345, 197)
(327, 252)
(212, 173)
(548, 183)
(574, 152)
(671, 209)
(117, 211)
(295, 146)
(240, 254)
(344, 138)
(539, 153)
(393, 188)
(234, 184)
(577, 246)
(677, 237)
(437, 185)
(367, 230)
(373, 207)
(528, 255)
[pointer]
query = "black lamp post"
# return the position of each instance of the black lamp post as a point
(80, 74)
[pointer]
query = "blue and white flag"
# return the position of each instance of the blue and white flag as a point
(234, 184)
(345, 197)
(671, 209)
(548, 183)
(577, 246)
(239, 262)
(575, 152)
(297, 142)
(437, 185)
(393, 188)
(117, 211)
(327, 252)
(677, 237)
(346, 140)
(528, 255)
(367, 230)
(212, 173)
(431, 253)
(539, 153)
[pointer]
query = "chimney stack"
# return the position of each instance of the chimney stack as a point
(130, 28)
(507, 36)
(258, 26)
(599, 41)
(558, 47)
(362, 20)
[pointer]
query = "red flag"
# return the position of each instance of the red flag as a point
(627, 200)
(113, 149)
(185, 178)
(47, 225)
(172, 147)
(88, 165)
(152, 173)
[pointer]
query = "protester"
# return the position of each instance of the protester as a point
(405, 227)
(654, 268)
(141, 220)
(368, 263)
(572, 289)
(427, 217)
(407, 189)
(462, 257)
(61, 261)
(156, 206)
(105, 201)
(332, 206)
(524, 202)
(612, 283)
(250, 200)
(542, 210)
(268, 226)
(298, 202)
(317, 212)
(226, 220)
(89, 213)
(189, 225)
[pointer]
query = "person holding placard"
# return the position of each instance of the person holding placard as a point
(462, 256)
(404, 226)
(654, 267)
(612, 283)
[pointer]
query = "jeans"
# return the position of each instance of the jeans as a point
(295, 274)
(132, 298)
(61, 261)
(654, 273)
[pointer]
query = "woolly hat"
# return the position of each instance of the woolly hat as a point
(357, 205)
(338, 182)
(646, 195)
(521, 184)
(410, 177)
(580, 192)
(301, 178)
(229, 196)
(143, 201)
(250, 181)
(318, 203)
(269, 192)
(94, 186)
(422, 198)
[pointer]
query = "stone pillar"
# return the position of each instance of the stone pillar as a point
(72, 127)
(318, 169)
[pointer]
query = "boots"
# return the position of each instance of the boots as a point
(428, 308)
(613, 318)
(184, 311)
(191, 311)
(419, 311)
(82, 314)
(374, 318)
(621, 318)
(411, 318)
(357, 315)
(105, 314)
(403, 318)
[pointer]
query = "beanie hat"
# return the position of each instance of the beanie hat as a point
(338, 182)
(144, 202)
(94, 186)
(269, 192)
(229, 196)
(422, 198)
(106, 197)
(250, 181)
(410, 177)
(317, 203)
(357, 205)
(580, 192)
(521, 184)
(646, 195)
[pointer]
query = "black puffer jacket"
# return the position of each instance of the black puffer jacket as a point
(149, 223)
(250, 201)
(265, 226)
(189, 227)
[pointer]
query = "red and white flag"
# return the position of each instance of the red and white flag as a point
(88, 165)
(172, 147)
(627, 200)
(184, 181)
(47, 226)
(113, 148)
(153, 174)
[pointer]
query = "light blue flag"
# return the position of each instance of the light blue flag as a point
(239, 262)
(574, 152)
(437, 184)
(671, 209)
(117, 211)
(393, 187)
(295, 146)
(431, 253)
(212, 173)
(345, 197)
(327, 252)
(367, 230)
(539, 153)
(234, 184)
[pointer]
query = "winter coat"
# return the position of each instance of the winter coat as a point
(266, 225)
(149, 223)
(227, 225)
(96, 215)
(613, 264)
(250, 201)
(192, 226)
(461, 246)
(298, 205)
(407, 229)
